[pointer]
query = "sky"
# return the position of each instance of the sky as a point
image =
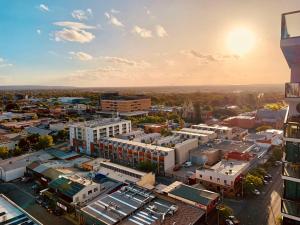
(101, 43)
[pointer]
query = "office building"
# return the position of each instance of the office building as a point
(131, 153)
(290, 45)
(84, 135)
(113, 102)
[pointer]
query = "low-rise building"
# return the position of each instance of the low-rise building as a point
(225, 176)
(68, 191)
(127, 175)
(210, 134)
(13, 168)
(11, 213)
(246, 122)
(84, 135)
(222, 131)
(131, 153)
(204, 199)
(10, 141)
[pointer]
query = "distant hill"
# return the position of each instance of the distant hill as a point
(159, 89)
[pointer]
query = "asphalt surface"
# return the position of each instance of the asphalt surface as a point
(263, 209)
(21, 194)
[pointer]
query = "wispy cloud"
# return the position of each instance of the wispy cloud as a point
(82, 56)
(43, 8)
(160, 31)
(38, 31)
(74, 32)
(3, 63)
(125, 61)
(114, 11)
(92, 74)
(113, 20)
(209, 58)
(82, 14)
(142, 32)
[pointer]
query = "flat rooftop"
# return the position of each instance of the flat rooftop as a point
(114, 207)
(215, 127)
(15, 215)
(229, 167)
(99, 123)
(200, 196)
(24, 160)
(124, 168)
(190, 133)
(139, 144)
(191, 130)
(227, 145)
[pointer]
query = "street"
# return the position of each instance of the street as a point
(21, 194)
(263, 209)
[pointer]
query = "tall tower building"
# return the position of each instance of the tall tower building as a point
(290, 46)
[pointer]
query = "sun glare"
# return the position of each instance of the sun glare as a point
(240, 41)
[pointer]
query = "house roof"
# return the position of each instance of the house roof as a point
(66, 186)
(52, 173)
(62, 154)
(203, 197)
(36, 130)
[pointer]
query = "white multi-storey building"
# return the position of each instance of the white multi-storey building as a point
(222, 131)
(84, 134)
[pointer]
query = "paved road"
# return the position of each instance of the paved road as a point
(263, 209)
(21, 195)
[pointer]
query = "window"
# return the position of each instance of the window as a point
(95, 189)
(225, 181)
(90, 192)
(200, 175)
(218, 179)
(210, 177)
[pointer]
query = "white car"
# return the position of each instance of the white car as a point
(256, 192)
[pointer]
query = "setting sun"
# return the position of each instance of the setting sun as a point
(240, 41)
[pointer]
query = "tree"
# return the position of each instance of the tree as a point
(147, 166)
(45, 141)
(225, 210)
(252, 181)
(17, 151)
(4, 152)
(277, 153)
(24, 144)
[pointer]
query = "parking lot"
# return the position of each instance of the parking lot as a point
(22, 194)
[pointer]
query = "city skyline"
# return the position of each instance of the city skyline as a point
(141, 43)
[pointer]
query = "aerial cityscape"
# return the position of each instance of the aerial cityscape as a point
(149, 112)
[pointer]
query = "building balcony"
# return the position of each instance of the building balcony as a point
(291, 171)
(290, 209)
(292, 90)
(292, 129)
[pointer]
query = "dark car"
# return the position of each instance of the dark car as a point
(39, 200)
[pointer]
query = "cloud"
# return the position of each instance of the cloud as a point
(38, 31)
(114, 11)
(209, 58)
(142, 32)
(82, 14)
(43, 8)
(74, 32)
(82, 56)
(113, 20)
(73, 25)
(125, 61)
(92, 74)
(160, 31)
(3, 63)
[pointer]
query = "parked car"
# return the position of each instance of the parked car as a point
(187, 164)
(39, 200)
(228, 222)
(268, 177)
(256, 192)
(234, 220)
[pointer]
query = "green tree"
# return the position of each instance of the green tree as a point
(45, 141)
(252, 181)
(17, 151)
(225, 210)
(4, 152)
(147, 166)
